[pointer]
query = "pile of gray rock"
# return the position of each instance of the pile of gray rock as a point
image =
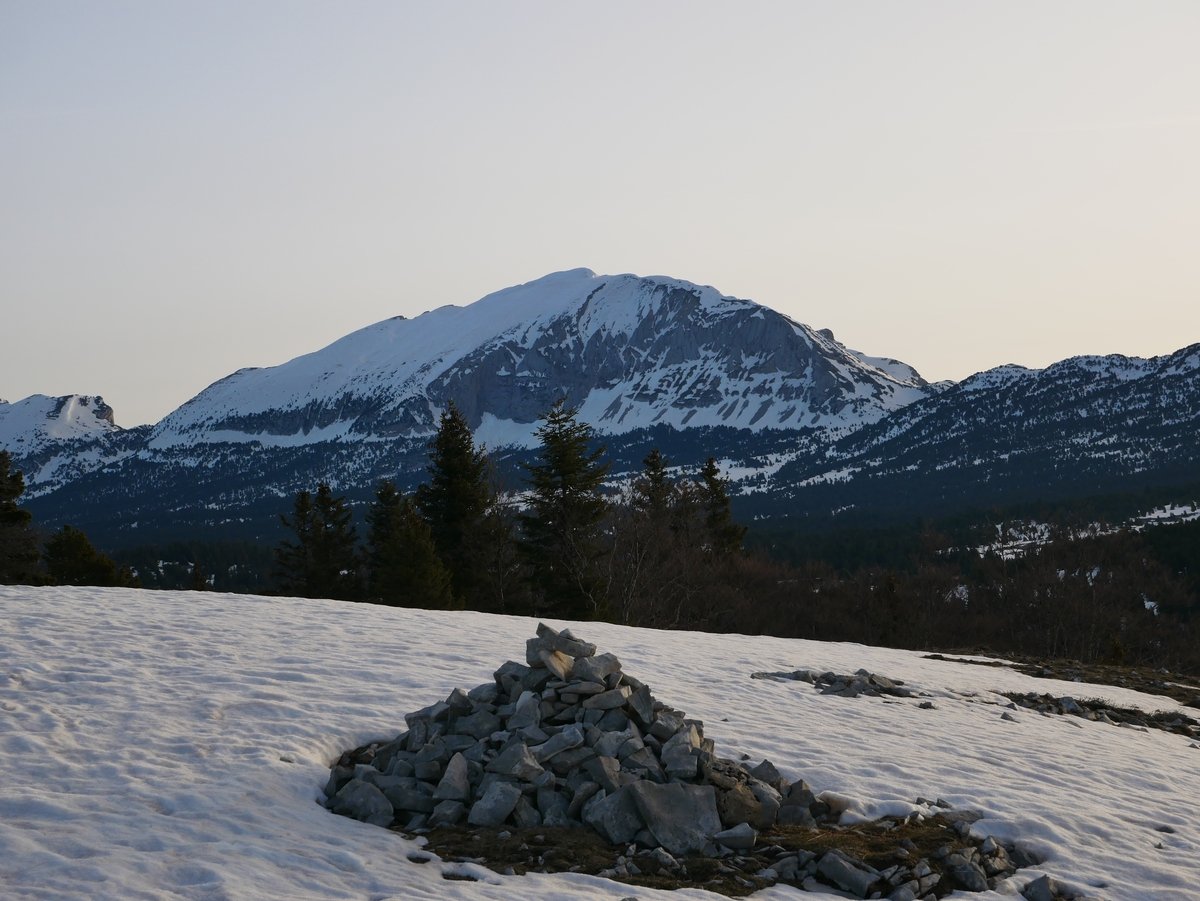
(566, 739)
(1102, 712)
(861, 683)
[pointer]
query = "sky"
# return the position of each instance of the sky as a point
(189, 188)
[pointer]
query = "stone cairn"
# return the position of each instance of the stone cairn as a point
(567, 739)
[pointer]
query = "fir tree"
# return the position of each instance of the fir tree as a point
(455, 501)
(724, 535)
(652, 492)
(561, 527)
(18, 544)
(72, 560)
(293, 559)
(322, 562)
(405, 569)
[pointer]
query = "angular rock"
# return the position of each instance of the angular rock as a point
(362, 801)
(605, 772)
(641, 704)
(966, 873)
(607, 700)
(738, 805)
(455, 784)
(516, 761)
(409, 799)
(447, 813)
(615, 816)
(557, 662)
(682, 818)
(564, 642)
(1041, 889)
(740, 838)
(847, 874)
(595, 669)
(477, 725)
(495, 806)
(570, 737)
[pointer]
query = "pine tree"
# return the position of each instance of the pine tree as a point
(405, 569)
(72, 560)
(561, 527)
(322, 562)
(455, 501)
(293, 559)
(18, 544)
(724, 535)
(652, 491)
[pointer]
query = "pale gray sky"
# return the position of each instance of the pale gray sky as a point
(187, 188)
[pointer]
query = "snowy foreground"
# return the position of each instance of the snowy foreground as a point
(174, 745)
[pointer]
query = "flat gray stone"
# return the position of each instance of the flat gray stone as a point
(477, 725)
(595, 669)
(682, 818)
(564, 642)
(847, 874)
(495, 805)
(570, 737)
(607, 700)
(516, 761)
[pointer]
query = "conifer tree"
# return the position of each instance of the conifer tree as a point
(561, 527)
(405, 569)
(72, 560)
(293, 562)
(18, 544)
(652, 490)
(322, 562)
(455, 501)
(724, 535)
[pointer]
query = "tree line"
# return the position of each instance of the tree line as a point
(65, 557)
(560, 546)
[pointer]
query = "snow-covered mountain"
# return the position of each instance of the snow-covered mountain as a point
(1086, 425)
(55, 439)
(806, 427)
(630, 352)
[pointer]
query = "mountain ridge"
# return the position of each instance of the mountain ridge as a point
(804, 426)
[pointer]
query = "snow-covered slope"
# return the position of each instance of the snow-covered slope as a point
(174, 745)
(1084, 425)
(630, 352)
(30, 425)
(56, 439)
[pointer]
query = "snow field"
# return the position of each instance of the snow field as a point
(174, 745)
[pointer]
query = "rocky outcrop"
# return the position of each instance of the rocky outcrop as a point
(861, 683)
